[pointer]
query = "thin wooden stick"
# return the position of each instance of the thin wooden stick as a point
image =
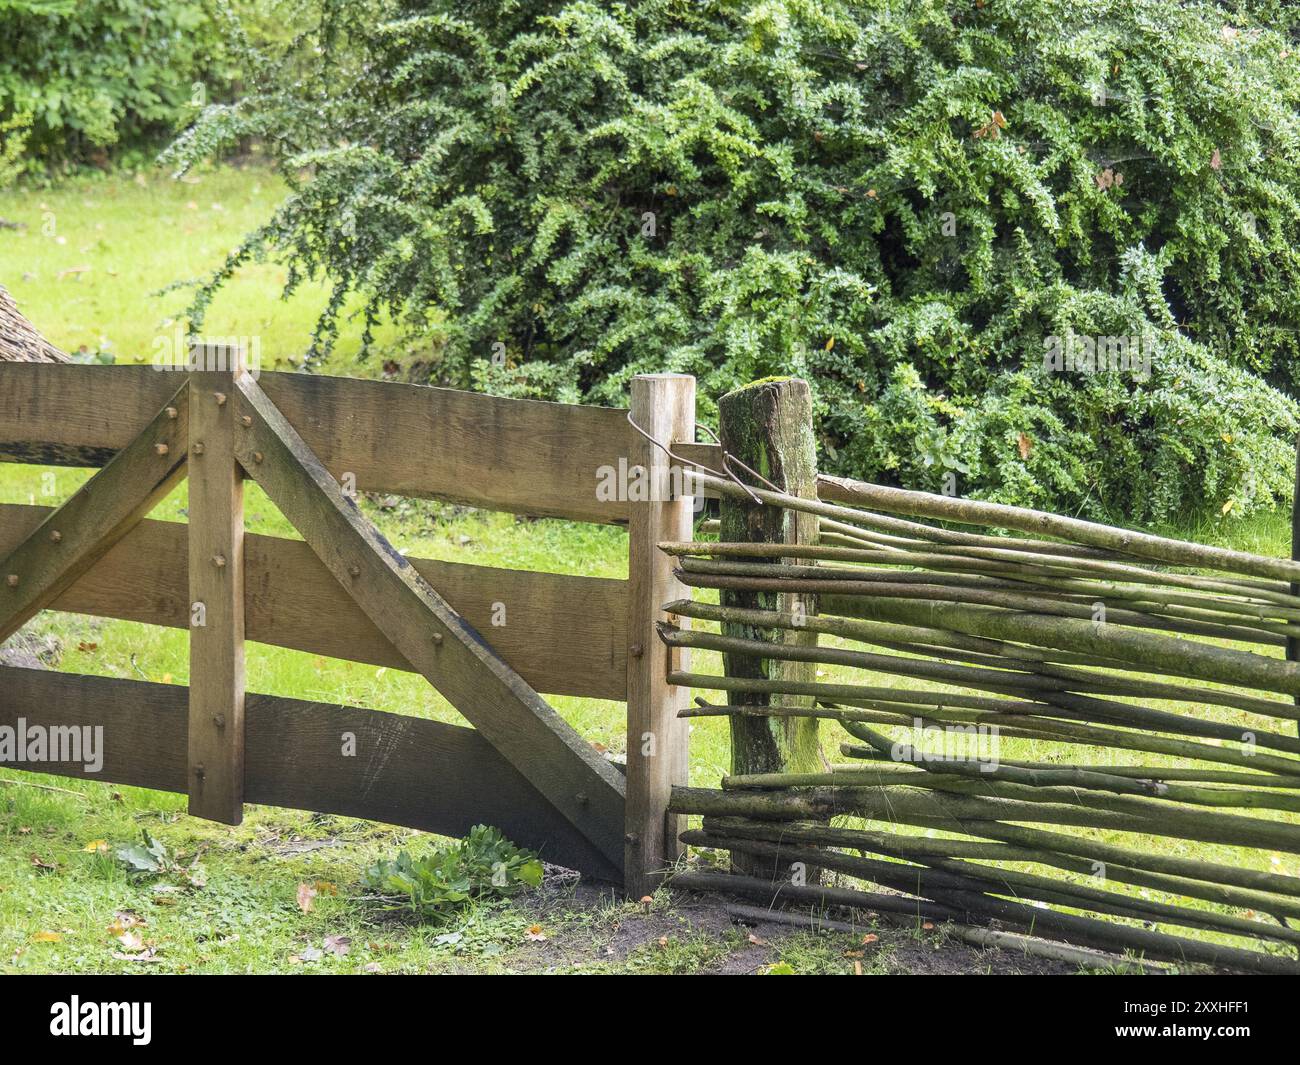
(1082, 931)
(919, 848)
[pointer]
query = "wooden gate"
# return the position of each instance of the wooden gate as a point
(312, 443)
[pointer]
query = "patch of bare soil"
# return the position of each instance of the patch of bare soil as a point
(613, 933)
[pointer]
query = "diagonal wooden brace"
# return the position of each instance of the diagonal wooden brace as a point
(75, 536)
(424, 628)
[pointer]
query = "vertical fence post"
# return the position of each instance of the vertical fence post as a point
(1293, 644)
(663, 405)
(768, 426)
(216, 582)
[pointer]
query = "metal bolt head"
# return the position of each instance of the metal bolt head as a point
(198, 448)
(12, 580)
(258, 456)
(219, 720)
(219, 561)
(173, 413)
(354, 571)
(161, 448)
(437, 639)
(636, 650)
(56, 536)
(245, 421)
(220, 397)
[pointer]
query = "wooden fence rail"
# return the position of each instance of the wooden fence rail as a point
(414, 772)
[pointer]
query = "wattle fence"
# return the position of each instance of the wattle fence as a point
(1064, 728)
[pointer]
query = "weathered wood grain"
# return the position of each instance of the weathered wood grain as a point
(566, 635)
(663, 405)
(104, 509)
(216, 592)
(426, 630)
(521, 456)
(404, 770)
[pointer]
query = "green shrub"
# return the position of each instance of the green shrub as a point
(13, 142)
(119, 75)
(483, 865)
(902, 203)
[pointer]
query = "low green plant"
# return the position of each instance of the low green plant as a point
(13, 140)
(484, 865)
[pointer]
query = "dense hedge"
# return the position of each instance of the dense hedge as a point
(901, 202)
(104, 78)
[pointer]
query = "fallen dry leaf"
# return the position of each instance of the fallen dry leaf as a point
(535, 934)
(338, 945)
(871, 937)
(124, 921)
(306, 897)
(48, 937)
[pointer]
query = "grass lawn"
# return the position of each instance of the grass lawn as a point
(87, 269)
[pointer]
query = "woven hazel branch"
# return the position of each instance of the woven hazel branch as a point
(936, 877)
(1206, 885)
(1010, 624)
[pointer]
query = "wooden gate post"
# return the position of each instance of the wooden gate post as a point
(663, 405)
(768, 426)
(216, 582)
(1293, 644)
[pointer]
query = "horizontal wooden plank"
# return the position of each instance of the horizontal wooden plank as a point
(565, 635)
(709, 455)
(522, 456)
(405, 770)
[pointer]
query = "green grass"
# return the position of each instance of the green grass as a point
(137, 237)
(95, 254)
